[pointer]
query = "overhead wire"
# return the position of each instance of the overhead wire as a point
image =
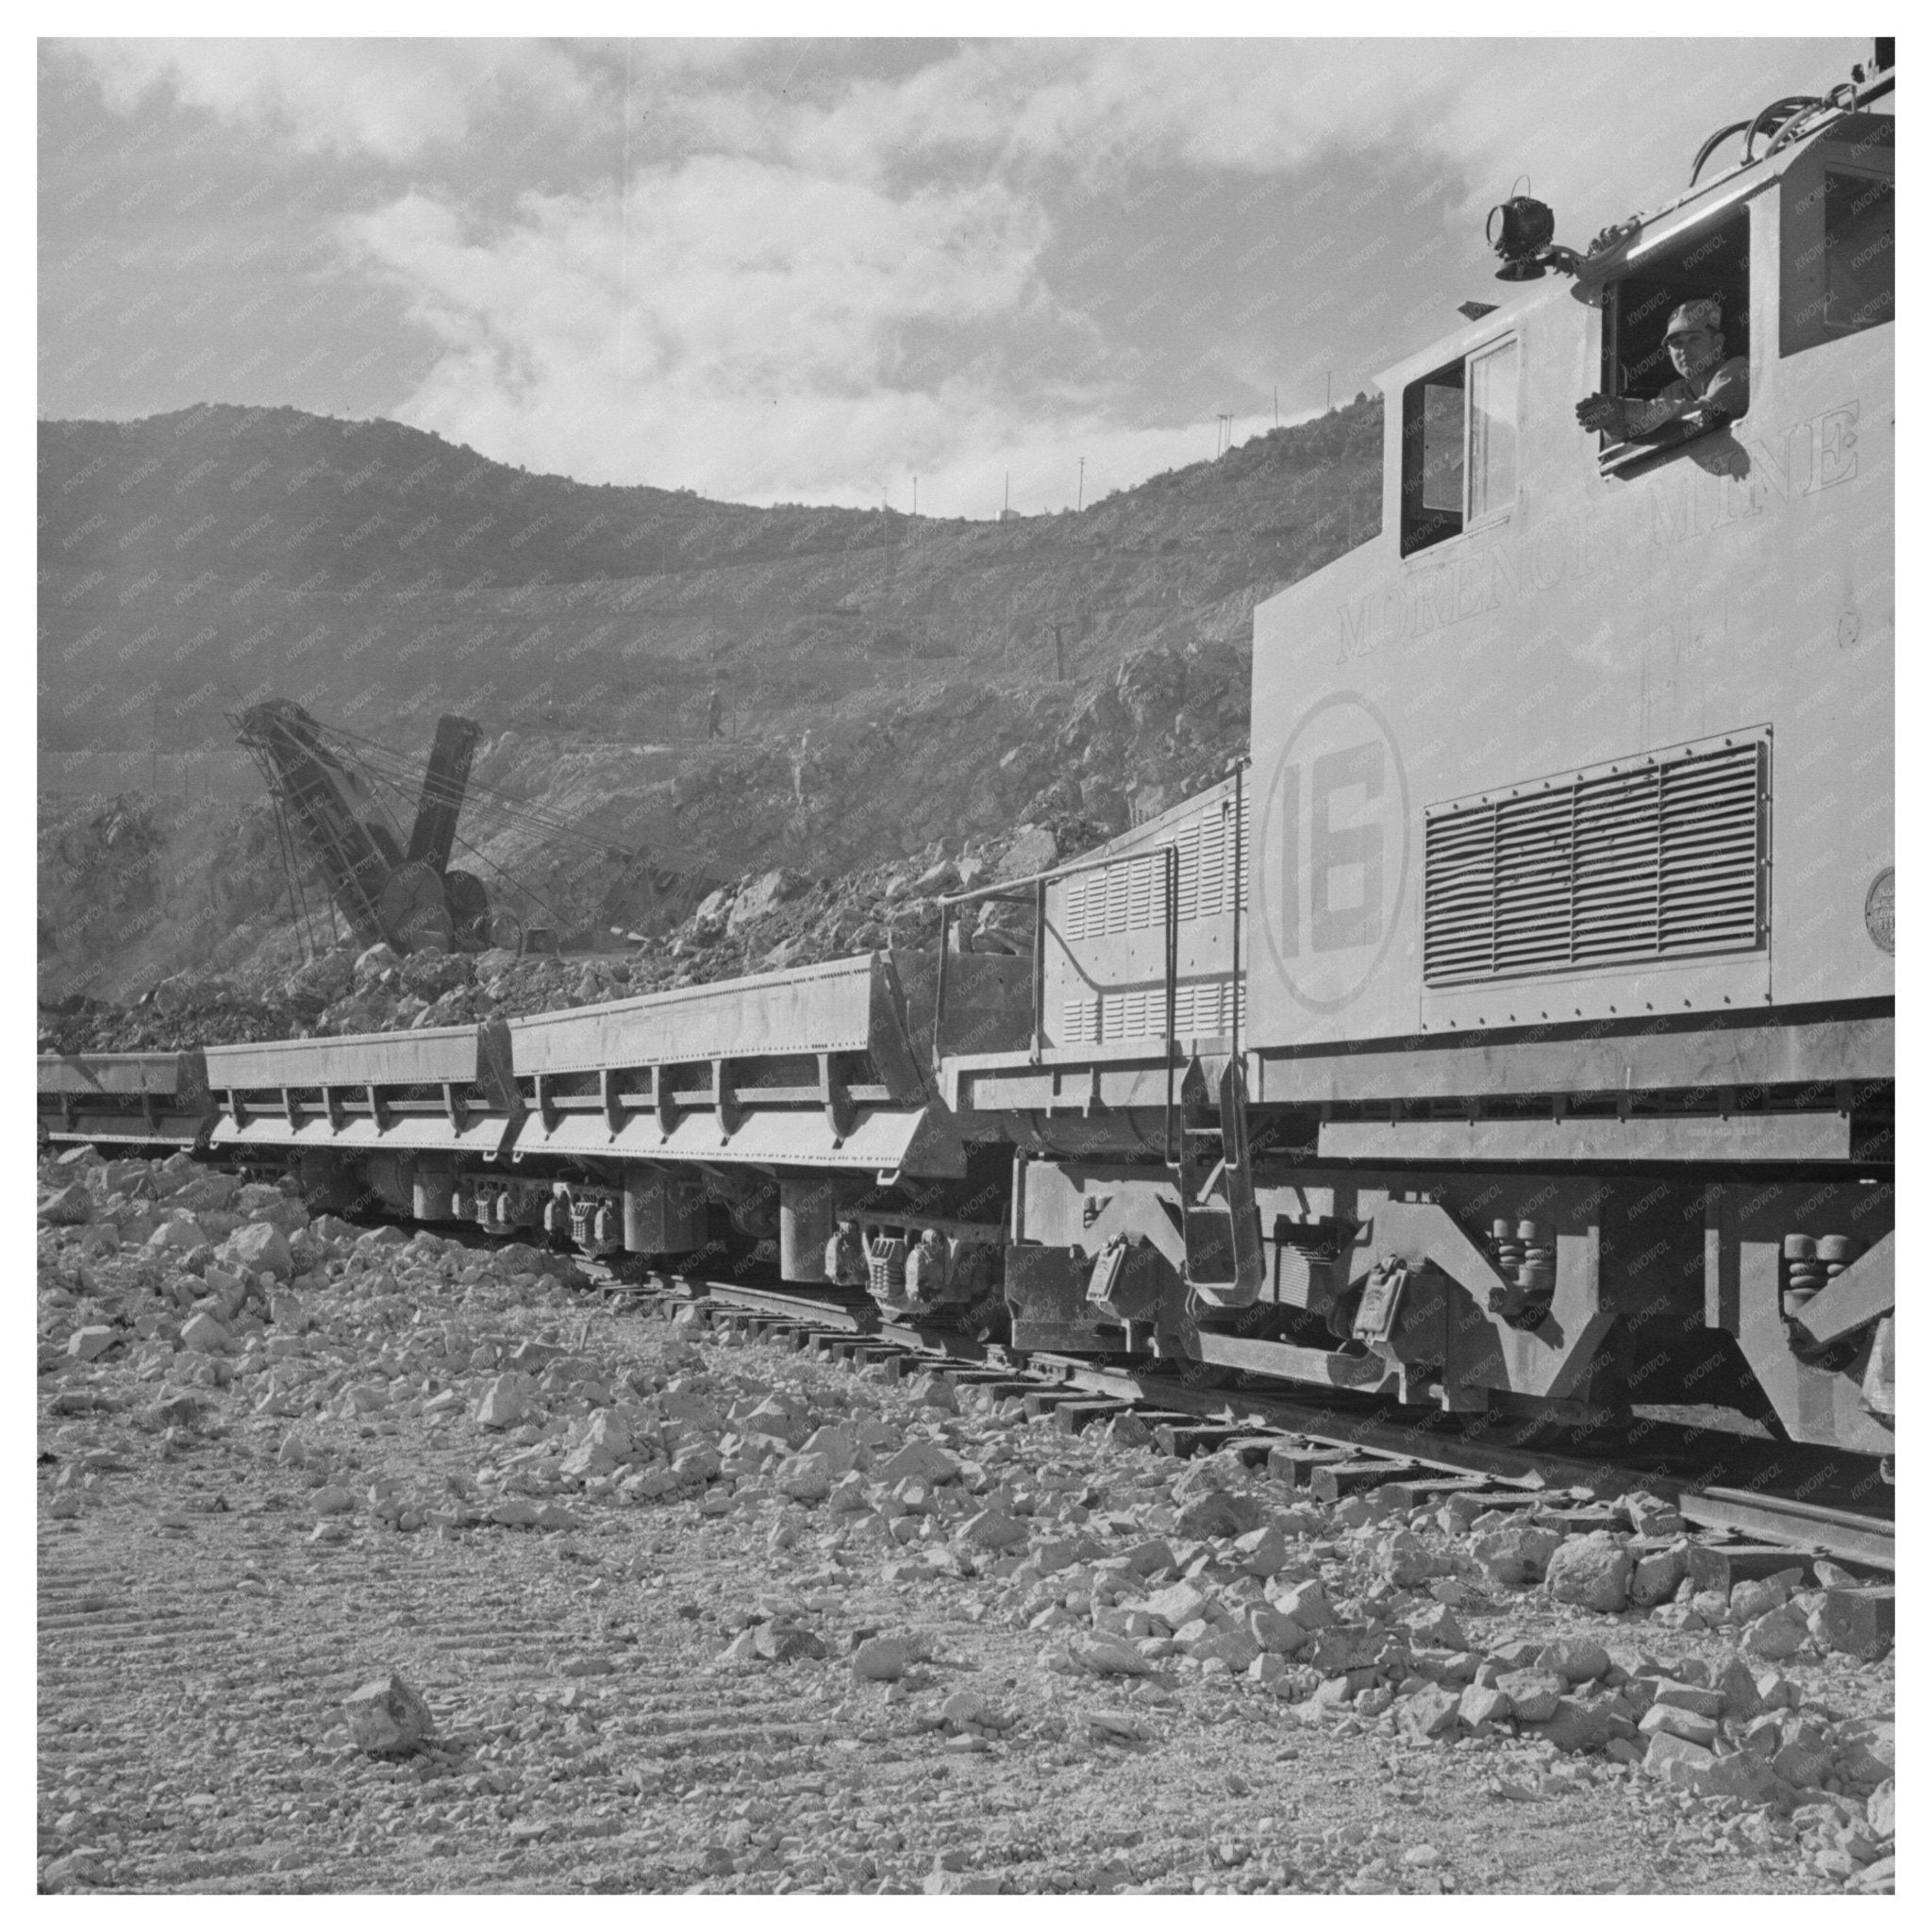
(396, 786)
(504, 802)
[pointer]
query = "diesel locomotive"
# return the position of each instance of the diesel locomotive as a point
(1512, 1031)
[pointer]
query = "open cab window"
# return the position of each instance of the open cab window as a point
(1711, 261)
(1835, 236)
(1459, 446)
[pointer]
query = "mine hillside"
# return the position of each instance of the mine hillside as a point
(902, 704)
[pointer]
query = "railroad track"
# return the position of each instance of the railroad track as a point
(1333, 1448)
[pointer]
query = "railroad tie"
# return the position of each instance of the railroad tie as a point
(1196, 1437)
(1294, 1462)
(1332, 1481)
(1039, 1401)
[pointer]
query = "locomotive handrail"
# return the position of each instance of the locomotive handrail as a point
(1016, 890)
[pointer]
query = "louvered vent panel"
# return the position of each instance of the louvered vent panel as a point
(1213, 867)
(1188, 887)
(1658, 862)
(1080, 1021)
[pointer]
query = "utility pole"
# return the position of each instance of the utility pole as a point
(1277, 405)
(915, 494)
(1059, 657)
(1328, 396)
(1080, 499)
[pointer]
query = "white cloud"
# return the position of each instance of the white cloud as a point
(766, 314)
(389, 98)
(1573, 114)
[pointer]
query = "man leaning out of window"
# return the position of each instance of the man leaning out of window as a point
(1710, 387)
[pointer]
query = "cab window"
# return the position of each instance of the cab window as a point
(1459, 446)
(1710, 261)
(1836, 234)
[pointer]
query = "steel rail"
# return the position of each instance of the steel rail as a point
(1504, 1453)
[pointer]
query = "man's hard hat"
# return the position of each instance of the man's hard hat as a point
(1702, 313)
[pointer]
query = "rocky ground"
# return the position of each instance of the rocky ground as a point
(381, 1563)
(753, 924)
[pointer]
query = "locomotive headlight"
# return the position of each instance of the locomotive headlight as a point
(1519, 231)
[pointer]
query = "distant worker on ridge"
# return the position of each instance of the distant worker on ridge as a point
(1710, 387)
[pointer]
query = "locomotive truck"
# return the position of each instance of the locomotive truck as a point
(1510, 1032)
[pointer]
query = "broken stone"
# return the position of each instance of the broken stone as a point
(1515, 1555)
(1533, 1693)
(1778, 1633)
(1431, 1712)
(991, 1529)
(387, 1718)
(1590, 1571)
(917, 1459)
(1227, 1644)
(203, 1335)
(885, 1660)
(503, 1403)
(1655, 1577)
(1576, 1660)
(1308, 1604)
(1675, 1760)
(1868, 1750)
(1260, 1552)
(68, 1207)
(1404, 1559)
(1737, 1687)
(1651, 1515)
(260, 1247)
(1220, 1513)
(1439, 1629)
(836, 1445)
(1668, 1719)
(1179, 1604)
(1855, 1623)
(1881, 1810)
(782, 1643)
(1482, 1704)
(1741, 1775)
(805, 1478)
(1117, 1727)
(1108, 1656)
(87, 1345)
(1703, 1700)
(1757, 1596)
(1276, 1632)
(1576, 1725)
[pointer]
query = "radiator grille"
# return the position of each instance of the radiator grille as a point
(1654, 862)
(1131, 894)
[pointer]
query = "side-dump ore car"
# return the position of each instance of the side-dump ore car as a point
(1513, 1030)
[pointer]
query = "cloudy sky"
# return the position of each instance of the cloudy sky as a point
(810, 269)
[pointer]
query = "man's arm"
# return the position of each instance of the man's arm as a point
(1630, 419)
